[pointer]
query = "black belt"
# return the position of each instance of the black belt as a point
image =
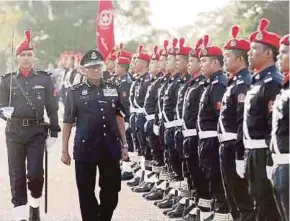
(25, 122)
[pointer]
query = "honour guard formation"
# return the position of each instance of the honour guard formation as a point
(201, 133)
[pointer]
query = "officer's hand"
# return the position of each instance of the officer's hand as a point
(125, 155)
(269, 171)
(65, 158)
(240, 168)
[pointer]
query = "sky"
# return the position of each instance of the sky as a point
(175, 13)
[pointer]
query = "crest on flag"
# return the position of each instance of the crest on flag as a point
(105, 18)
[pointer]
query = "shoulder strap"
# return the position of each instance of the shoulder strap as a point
(31, 105)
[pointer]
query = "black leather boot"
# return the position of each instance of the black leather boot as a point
(144, 188)
(178, 211)
(157, 195)
(34, 214)
(134, 182)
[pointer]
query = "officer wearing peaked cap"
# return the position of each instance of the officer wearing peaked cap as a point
(211, 58)
(32, 91)
(257, 121)
(280, 135)
(230, 128)
(96, 108)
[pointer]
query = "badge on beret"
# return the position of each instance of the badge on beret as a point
(153, 57)
(203, 52)
(192, 53)
(94, 55)
(259, 36)
(178, 50)
(233, 43)
(171, 50)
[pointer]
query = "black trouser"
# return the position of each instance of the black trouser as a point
(259, 185)
(240, 203)
(109, 182)
(190, 148)
(133, 130)
(209, 163)
(153, 142)
(170, 152)
(177, 159)
(144, 148)
(25, 144)
(280, 181)
(129, 139)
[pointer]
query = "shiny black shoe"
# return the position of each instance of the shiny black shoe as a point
(192, 217)
(144, 188)
(157, 195)
(151, 191)
(34, 214)
(178, 211)
(188, 209)
(165, 212)
(166, 204)
(134, 182)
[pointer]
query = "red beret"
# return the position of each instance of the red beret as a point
(209, 51)
(142, 55)
(263, 36)
(183, 50)
(155, 55)
(123, 60)
(285, 40)
(173, 50)
(124, 53)
(195, 52)
(164, 51)
(112, 55)
(237, 43)
(25, 45)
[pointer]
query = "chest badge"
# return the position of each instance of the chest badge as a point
(84, 92)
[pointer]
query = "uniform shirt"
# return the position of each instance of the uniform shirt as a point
(170, 98)
(39, 88)
(94, 108)
(141, 87)
(151, 97)
(280, 121)
(232, 110)
(124, 89)
(180, 97)
(258, 104)
(191, 101)
(210, 102)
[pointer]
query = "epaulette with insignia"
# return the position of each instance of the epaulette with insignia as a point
(42, 72)
(240, 82)
(7, 74)
(268, 79)
(215, 81)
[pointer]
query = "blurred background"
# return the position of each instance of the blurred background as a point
(57, 26)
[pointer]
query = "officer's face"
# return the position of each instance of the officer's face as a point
(193, 65)
(181, 63)
(132, 64)
(26, 59)
(257, 55)
(283, 58)
(119, 70)
(161, 63)
(153, 67)
(139, 65)
(207, 66)
(170, 63)
(110, 66)
(231, 62)
(94, 73)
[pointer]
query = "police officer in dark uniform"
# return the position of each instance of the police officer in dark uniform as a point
(143, 82)
(181, 65)
(280, 135)
(150, 106)
(211, 58)
(26, 132)
(96, 107)
(230, 128)
(190, 142)
(121, 69)
(257, 124)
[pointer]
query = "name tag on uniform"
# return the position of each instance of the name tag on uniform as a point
(110, 92)
(38, 87)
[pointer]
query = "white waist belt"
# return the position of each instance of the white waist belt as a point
(255, 144)
(178, 123)
(189, 133)
(283, 158)
(227, 136)
(207, 134)
(160, 116)
(139, 110)
(174, 123)
(150, 117)
(132, 110)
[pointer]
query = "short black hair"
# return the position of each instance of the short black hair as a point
(219, 58)
(273, 49)
(241, 53)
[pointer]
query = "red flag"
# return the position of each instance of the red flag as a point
(105, 27)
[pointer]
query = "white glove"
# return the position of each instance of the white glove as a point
(7, 112)
(241, 168)
(269, 171)
(50, 142)
(126, 126)
(156, 130)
